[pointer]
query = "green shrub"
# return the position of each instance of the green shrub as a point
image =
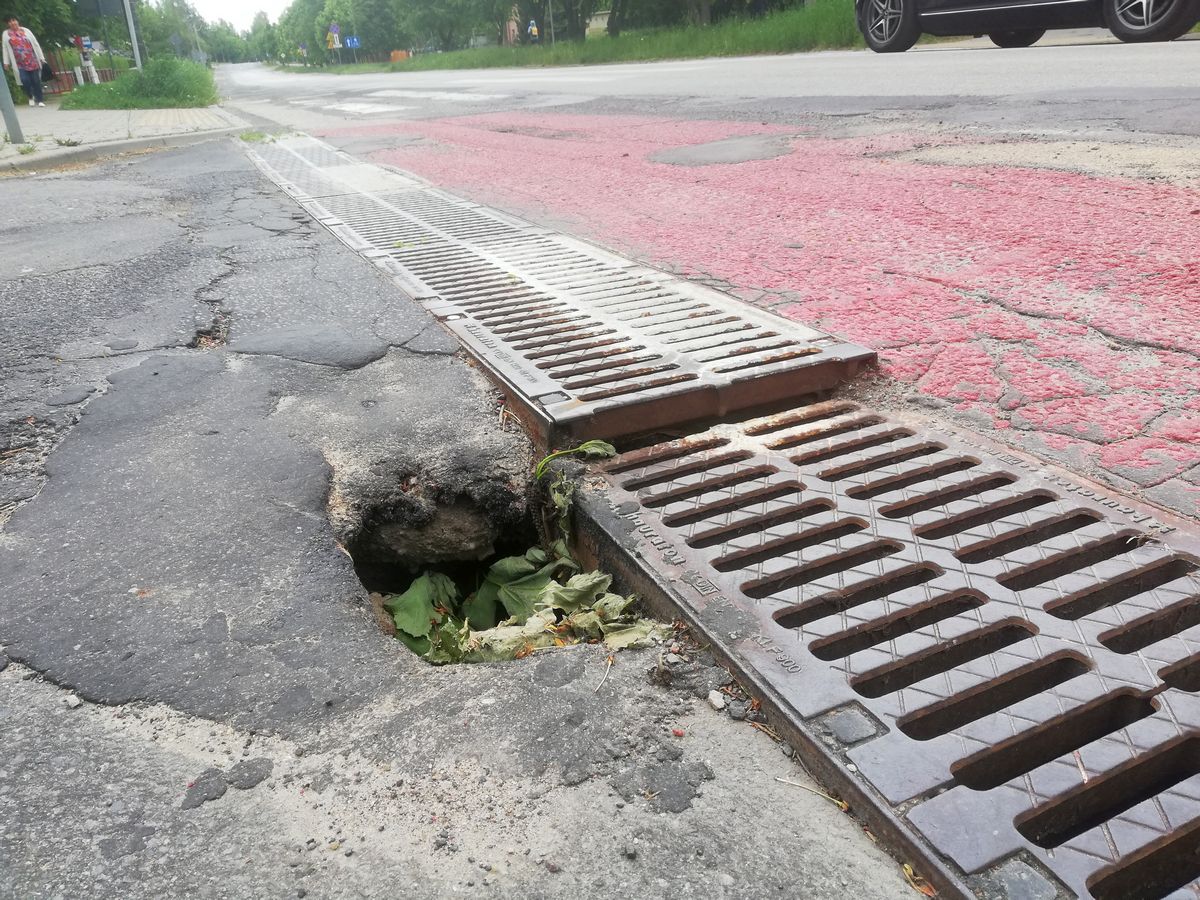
(162, 83)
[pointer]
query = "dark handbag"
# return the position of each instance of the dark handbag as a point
(47, 72)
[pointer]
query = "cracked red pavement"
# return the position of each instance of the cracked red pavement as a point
(1059, 311)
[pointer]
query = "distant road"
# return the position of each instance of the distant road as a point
(1153, 87)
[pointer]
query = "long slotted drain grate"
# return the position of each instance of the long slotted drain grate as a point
(585, 343)
(1029, 663)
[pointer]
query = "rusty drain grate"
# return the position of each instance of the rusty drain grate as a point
(584, 342)
(1028, 660)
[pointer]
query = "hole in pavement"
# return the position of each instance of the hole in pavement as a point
(453, 587)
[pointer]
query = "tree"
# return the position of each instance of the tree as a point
(297, 26)
(447, 23)
(53, 21)
(377, 24)
(262, 42)
(223, 42)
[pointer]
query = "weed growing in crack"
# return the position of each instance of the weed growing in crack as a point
(536, 601)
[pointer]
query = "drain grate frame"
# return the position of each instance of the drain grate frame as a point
(1012, 634)
(582, 342)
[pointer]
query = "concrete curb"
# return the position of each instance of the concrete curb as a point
(95, 152)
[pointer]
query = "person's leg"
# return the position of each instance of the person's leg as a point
(27, 79)
(36, 81)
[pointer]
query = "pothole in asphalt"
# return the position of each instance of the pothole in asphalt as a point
(453, 590)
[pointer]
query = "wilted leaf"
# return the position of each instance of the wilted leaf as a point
(505, 641)
(643, 633)
(579, 591)
(585, 623)
(612, 606)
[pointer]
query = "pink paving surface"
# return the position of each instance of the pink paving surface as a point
(1060, 311)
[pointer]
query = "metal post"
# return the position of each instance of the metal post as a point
(10, 115)
(137, 54)
(550, 7)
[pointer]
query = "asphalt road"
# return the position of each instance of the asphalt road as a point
(1010, 229)
(1144, 87)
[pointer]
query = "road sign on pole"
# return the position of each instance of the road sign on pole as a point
(352, 41)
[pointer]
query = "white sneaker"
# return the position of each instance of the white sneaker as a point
(41, 104)
(32, 103)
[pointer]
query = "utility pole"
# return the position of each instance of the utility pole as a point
(10, 114)
(550, 8)
(133, 38)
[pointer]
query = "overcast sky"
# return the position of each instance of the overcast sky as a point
(239, 12)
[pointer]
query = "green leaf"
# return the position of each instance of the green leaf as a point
(480, 608)
(448, 642)
(417, 609)
(418, 645)
(516, 582)
(509, 569)
(520, 598)
(596, 450)
(588, 449)
(642, 633)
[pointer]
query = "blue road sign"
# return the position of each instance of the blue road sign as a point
(352, 41)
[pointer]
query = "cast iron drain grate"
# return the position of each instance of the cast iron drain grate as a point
(583, 342)
(1032, 659)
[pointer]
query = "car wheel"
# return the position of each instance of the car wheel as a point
(889, 26)
(1022, 37)
(1135, 21)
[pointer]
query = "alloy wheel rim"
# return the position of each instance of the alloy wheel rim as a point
(884, 19)
(1140, 15)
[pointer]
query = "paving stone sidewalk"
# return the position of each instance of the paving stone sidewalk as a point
(60, 136)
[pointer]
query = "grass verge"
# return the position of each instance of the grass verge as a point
(162, 84)
(821, 24)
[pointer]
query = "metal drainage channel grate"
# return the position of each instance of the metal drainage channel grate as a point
(1027, 662)
(585, 343)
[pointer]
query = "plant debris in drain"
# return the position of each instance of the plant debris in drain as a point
(536, 601)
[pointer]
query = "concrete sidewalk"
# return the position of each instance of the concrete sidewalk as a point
(60, 136)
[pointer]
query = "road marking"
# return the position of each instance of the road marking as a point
(448, 96)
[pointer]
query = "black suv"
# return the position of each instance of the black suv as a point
(892, 26)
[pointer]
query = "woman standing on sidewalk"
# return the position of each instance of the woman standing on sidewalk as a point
(22, 52)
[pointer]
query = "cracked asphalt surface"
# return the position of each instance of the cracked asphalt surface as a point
(1012, 230)
(205, 398)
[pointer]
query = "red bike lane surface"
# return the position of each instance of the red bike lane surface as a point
(1061, 312)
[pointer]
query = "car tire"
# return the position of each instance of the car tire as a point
(1021, 37)
(889, 26)
(1138, 21)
